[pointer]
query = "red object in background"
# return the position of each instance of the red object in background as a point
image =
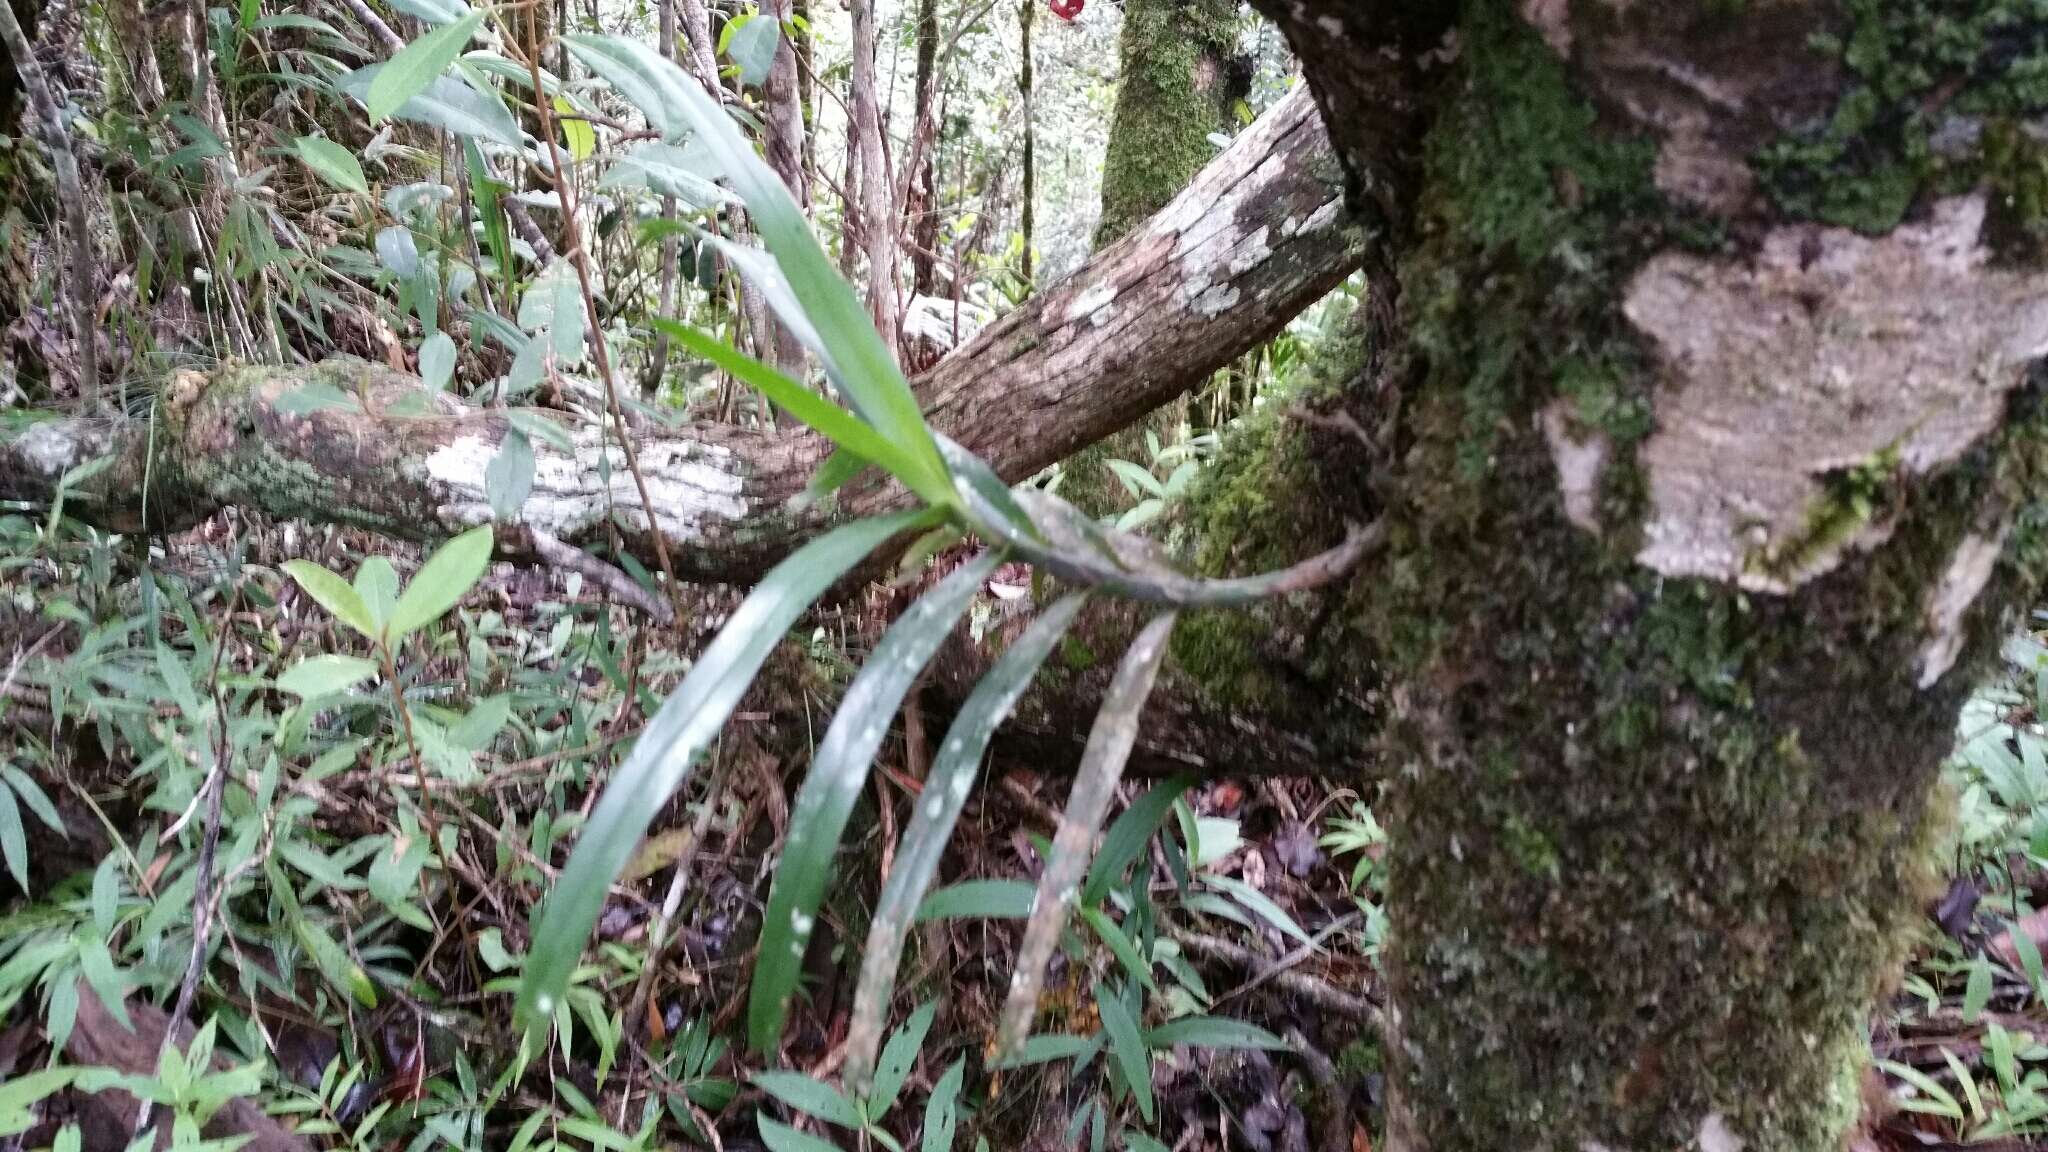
(1067, 9)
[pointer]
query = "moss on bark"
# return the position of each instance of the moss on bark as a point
(1662, 839)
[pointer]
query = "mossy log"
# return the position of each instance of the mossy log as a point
(1258, 236)
(1704, 511)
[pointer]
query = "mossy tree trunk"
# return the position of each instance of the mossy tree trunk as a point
(1702, 513)
(1181, 76)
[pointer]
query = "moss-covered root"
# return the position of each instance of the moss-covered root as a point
(1671, 772)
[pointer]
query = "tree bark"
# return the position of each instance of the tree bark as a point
(1028, 223)
(1254, 240)
(877, 209)
(1703, 509)
(1180, 75)
(922, 181)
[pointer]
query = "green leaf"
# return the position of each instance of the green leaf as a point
(1127, 836)
(107, 981)
(437, 361)
(1045, 1049)
(836, 424)
(809, 1096)
(433, 11)
(854, 355)
(1260, 905)
(942, 1109)
(508, 478)
(1120, 946)
(1137, 481)
(1977, 993)
(986, 899)
(455, 105)
(899, 1057)
(325, 675)
(442, 581)
(334, 962)
(684, 173)
(332, 593)
(376, 585)
(407, 74)
(1127, 1046)
(32, 795)
(553, 307)
(750, 42)
(783, 1138)
(1213, 1032)
(577, 134)
(2030, 960)
(838, 771)
(1135, 1141)
(669, 746)
(13, 838)
(333, 163)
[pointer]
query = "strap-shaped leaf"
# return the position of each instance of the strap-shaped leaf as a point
(672, 741)
(419, 64)
(946, 788)
(1127, 836)
(1102, 765)
(838, 771)
(858, 361)
(830, 420)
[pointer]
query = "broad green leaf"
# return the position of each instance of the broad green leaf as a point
(836, 424)
(107, 980)
(942, 1109)
(508, 478)
(398, 251)
(1127, 836)
(809, 1096)
(553, 307)
(433, 11)
(1108, 749)
(856, 359)
(334, 163)
(444, 579)
(1137, 481)
(1135, 1141)
(838, 770)
(448, 103)
(577, 134)
(437, 361)
(407, 74)
(1045, 1049)
(672, 171)
(1213, 1032)
(783, 1138)
(899, 1056)
(750, 42)
(1977, 993)
(946, 788)
(332, 593)
(669, 746)
(1127, 1045)
(376, 585)
(981, 899)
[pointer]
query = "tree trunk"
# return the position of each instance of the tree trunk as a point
(877, 210)
(1028, 224)
(923, 201)
(784, 141)
(1251, 243)
(1702, 512)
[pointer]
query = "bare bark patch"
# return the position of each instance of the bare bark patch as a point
(1969, 569)
(1826, 354)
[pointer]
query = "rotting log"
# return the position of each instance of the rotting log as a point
(1257, 237)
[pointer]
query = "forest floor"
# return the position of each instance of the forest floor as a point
(375, 977)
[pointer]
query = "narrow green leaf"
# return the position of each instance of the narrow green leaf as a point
(455, 105)
(433, 11)
(442, 581)
(13, 838)
(1213, 1032)
(783, 1138)
(810, 1096)
(1260, 905)
(899, 1057)
(1977, 993)
(836, 424)
(32, 795)
(838, 771)
(1135, 1141)
(325, 675)
(856, 359)
(334, 962)
(407, 74)
(508, 478)
(1120, 946)
(1045, 1049)
(553, 309)
(332, 593)
(107, 980)
(980, 899)
(1127, 1046)
(1129, 833)
(1102, 764)
(332, 163)
(669, 746)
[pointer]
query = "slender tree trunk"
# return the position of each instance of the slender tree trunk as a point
(877, 211)
(1703, 511)
(46, 123)
(657, 362)
(1028, 224)
(922, 203)
(785, 149)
